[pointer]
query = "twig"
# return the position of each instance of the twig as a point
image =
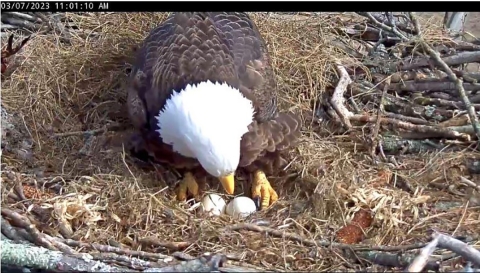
(10, 232)
(470, 183)
(42, 258)
(422, 259)
(441, 102)
(24, 222)
(89, 132)
(202, 264)
(381, 25)
(466, 251)
(399, 260)
(419, 62)
(36, 236)
(23, 255)
(27, 25)
(377, 124)
(338, 100)
(458, 83)
(432, 131)
(431, 85)
(130, 262)
(310, 242)
(407, 119)
(22, 16)
(400, 105)
(152, 241)
(117, 250)
(396, 145)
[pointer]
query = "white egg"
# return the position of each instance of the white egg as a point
(213, 204)
(240, 207)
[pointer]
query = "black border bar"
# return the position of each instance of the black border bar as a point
(247, 6)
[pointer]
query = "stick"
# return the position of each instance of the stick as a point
(338, 100)
(442, 102)
(432, 131)
(116, 250)
(42, 258)
(400, 260)
(37, 236)
(22, 255)
(310, 242)
(175, 246)
(422, 259)
(396, 145)
(438, 85)
(470, 183)
(10, 232)
(407, 119)
(458, 83)
(457, 59)
(377, 124)
(24, 222)
(381, 25)
(23, 16)
(466, 251)
(399, 105)
(93, 132)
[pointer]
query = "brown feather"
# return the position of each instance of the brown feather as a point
(189, 48)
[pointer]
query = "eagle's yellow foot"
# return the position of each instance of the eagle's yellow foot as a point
(262, 190)
(188, 186)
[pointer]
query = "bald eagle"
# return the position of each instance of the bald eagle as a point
(203, 98)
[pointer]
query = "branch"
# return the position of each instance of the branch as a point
(310, 242)
(383, 26)
(338, 100)
(399, 260)
(347, 116)
(23, 255)
(441, 102)
(457, 59)
(396, 145)
(431, 131)
(466, 251)
(431, 85)
(422, 259)
(37, 257)
(400, 105)
(470, 183)
(458, 83)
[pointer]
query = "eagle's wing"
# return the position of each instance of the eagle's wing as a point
(271, 131)
(252, 61)
(187, 48)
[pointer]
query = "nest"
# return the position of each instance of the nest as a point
(70, 186)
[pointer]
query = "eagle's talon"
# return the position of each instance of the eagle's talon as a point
(262, 190)
(188, 186)
(258, 202)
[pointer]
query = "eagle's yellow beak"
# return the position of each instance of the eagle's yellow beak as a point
(228, 183)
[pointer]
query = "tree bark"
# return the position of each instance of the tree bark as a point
(456, 21)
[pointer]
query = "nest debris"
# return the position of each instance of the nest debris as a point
(387, 143)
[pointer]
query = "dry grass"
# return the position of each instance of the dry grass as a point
(76, 87)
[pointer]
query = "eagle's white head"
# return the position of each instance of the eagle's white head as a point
(207, 121)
